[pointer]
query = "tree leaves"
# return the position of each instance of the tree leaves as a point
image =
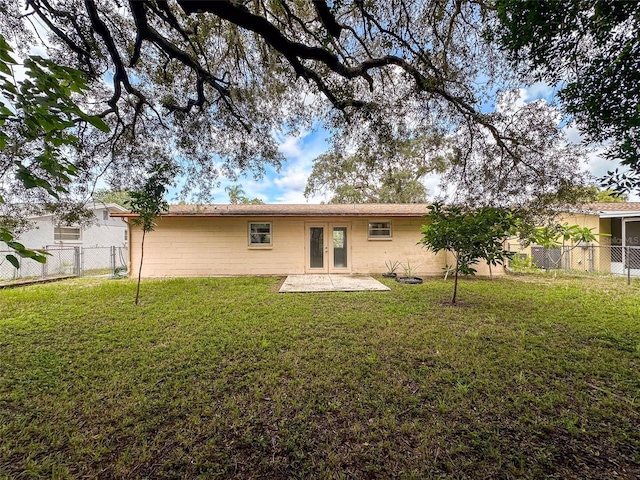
(547, 162)
(208, 83)
(216, 85)
(469, 234)
(559, 234)
(7, 237)
(38, 118)
(13, 260)
(148, 203)
(391, 172)
(592, 50)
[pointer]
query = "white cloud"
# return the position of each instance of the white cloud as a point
(258, 188)
(300, 151)
(597, 165)
(295, 176)
(573, 134)
(290, 184)
(290, 145)
(537, 91)
(514, 100)
(432, 183)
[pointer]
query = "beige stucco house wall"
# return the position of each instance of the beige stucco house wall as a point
(215, 241)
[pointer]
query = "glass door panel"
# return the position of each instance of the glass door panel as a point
(316, 247)
(339, 247)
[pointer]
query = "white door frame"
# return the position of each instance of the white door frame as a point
(327, 247)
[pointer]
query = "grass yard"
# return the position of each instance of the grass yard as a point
(225, 378)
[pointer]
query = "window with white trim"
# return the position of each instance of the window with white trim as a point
(259, 234)
(67, 234)
(379, 230)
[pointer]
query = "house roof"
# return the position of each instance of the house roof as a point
(604, 210)
(613, 207)
(613, 210)
(301, 210)
(111, 207)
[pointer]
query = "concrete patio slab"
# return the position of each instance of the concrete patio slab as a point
(331, 283)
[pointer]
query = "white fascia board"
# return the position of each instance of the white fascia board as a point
(619, 214)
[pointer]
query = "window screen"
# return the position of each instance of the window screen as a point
(379, 229)
(62, 234)
(260, 234)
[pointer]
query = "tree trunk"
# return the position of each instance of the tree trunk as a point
(140, 268)
(455, 284)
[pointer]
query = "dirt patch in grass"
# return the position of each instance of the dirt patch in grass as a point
(275, 288)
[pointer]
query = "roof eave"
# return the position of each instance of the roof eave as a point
(619, 214)
(268, 214)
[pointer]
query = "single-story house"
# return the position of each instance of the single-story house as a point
(219, 240)
(73, 249)
(104, 231)
(622, 222)
(223, 240)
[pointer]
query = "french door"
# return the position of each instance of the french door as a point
(328, 248)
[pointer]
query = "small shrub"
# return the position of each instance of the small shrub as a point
(522, 263)
(409, 270)
(392, 266)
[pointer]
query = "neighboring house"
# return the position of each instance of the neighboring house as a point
(103, 231)
(620, 224)
(284, 239)
(99, 247)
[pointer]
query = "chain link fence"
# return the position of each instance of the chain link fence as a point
(64, 262)
(597, 259)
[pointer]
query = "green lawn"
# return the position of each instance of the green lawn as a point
(224, 378)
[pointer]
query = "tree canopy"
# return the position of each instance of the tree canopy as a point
(545, 174)
(148, 203)
(205, 84)
(387, 172)
(237, 196)
(119, 197)
(37, 122)
(591, 49)
(470, 235)
(610, 196)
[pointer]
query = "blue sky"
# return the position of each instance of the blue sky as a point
(288, 184)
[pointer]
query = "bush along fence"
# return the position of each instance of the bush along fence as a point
(598, 259)
(66, 261)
